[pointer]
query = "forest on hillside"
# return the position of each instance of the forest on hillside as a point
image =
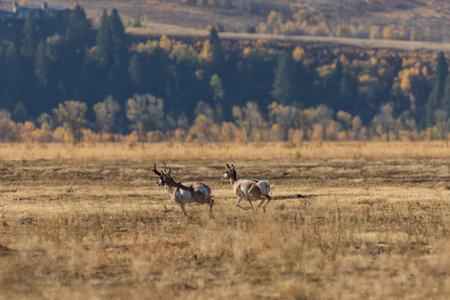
(88, 84)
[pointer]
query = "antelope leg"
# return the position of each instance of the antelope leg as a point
(244, 208)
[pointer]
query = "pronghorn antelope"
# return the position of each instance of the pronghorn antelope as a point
(248, 189)
(186, 192)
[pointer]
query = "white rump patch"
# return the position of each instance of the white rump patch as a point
(264, 186)
(205, 190)
(184, 195)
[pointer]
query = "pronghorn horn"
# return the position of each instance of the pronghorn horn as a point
(228, 166)
(232, 166)
(170, 170)
(164, 168)
(155, 171)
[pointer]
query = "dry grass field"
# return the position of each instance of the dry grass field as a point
(348, 221)
(246, 13)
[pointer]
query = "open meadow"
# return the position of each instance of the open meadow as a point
(349, 220)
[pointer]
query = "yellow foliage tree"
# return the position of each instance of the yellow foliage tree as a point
(374, 32)
(165, 43)
(298, 54)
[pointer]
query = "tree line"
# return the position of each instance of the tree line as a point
(207, 89)
(149, 123)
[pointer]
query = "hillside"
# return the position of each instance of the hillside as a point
(237, 15)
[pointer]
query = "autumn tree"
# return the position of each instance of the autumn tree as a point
(374, 32)
(217, 88)
(383, 122)
(356, 126)
(442, 123)
(105, 113)
(346, 119)
(250, 121)
(71, 114)
(145, 112)
(284, 118)
(6, 130)
(324, 116)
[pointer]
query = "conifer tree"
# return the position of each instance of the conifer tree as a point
(13, 89)
(41, 69)
(437, 93)
(31, 35)
(217, 56)
(283, 88)
(79, 29)
(104, 41)
(135, 71)
(118, 39)
(446, 97)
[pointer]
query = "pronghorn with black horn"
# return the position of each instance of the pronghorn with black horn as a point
(248, 188)
(186, 192)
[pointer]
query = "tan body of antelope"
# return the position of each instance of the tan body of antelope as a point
(249, 189)
(183, 193)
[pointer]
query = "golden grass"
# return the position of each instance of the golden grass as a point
(370, 221)
(228, 151)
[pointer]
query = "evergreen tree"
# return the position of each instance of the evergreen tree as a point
(336, 88)
(348, 93)
(118, 39)
(135, 71)
(283, 88)
(41, 69)
(16, 84)
(79, 29)
(104, 41)
(31, 35)
(112, 53)
(217, 56)
(446, 97)
(437, 93)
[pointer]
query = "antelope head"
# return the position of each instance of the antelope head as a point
(163, 175)
(229, 173)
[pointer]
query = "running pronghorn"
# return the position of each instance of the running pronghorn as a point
(248, 189)
(186, 192)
